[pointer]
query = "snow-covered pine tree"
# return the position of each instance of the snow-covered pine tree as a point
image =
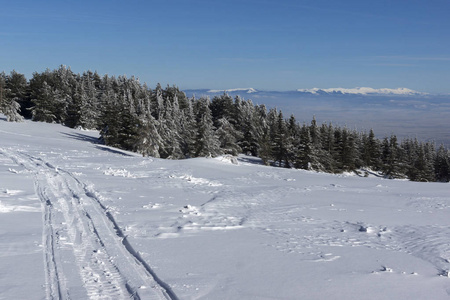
(110, 121)
(12, 95)
(43, 99)
(228, 137)
(129, 125)
(247, 124)
(62, 84)
(391, 158)
(348, 153)
(318, 155)
(370, 152)
(8, 100)
(169, 129)
(442, 164)
(315, 134)
(263, 133)
(293, 136)
(73, 113)
(207, 142)
(327, 141)
(188, 129)
(222, 107)
(280, 141)
(148, 140)
(420, 168)
(89, 111)
(303, 157)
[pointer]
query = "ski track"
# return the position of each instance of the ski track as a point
(77, 226)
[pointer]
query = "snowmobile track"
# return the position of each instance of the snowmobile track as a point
(78, 227)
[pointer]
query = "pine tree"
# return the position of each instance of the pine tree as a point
(421, 166)
(246, 123)
(327, 137)
(293, 135)
(61, 83)
(12, 95)
(223, 107)
(44, 102)
(262, 130)
(20, 90)
(370, 151)
(148, 140)
(207, 142)
(348, 151)
(315, 134)
(442, 164)
(73, 107)
(228, 137)
(304, 159)
(110, 119)
(169, 130)
(121, 126)
(391, 158)
(128, 134)
(88, 105)
(317, 156)
(188, 129)
(280, 141)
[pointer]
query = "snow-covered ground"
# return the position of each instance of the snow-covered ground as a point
(79, 220)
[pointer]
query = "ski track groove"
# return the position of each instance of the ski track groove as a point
(54, 282)
(75, 219)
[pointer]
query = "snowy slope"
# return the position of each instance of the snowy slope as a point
(80, 220)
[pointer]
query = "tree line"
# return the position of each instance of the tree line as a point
(164, 122)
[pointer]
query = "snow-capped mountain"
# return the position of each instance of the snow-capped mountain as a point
(364, 91)
(361, 91)
(241, 90)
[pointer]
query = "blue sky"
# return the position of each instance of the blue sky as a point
(268, 45)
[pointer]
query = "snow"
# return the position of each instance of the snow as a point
(246, 90)
(362, 91)
(82, 221)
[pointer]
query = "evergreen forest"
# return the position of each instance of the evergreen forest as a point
(163, 122)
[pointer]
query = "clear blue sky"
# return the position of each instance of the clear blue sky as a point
(264, 44)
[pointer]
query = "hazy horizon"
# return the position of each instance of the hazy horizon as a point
(266, 45)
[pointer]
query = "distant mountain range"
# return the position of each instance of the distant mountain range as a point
(362, 91)
(247, 91)
(314, 91)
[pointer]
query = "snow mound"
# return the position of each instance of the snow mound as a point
(118, 172)
(228, 159)
(199, 181)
